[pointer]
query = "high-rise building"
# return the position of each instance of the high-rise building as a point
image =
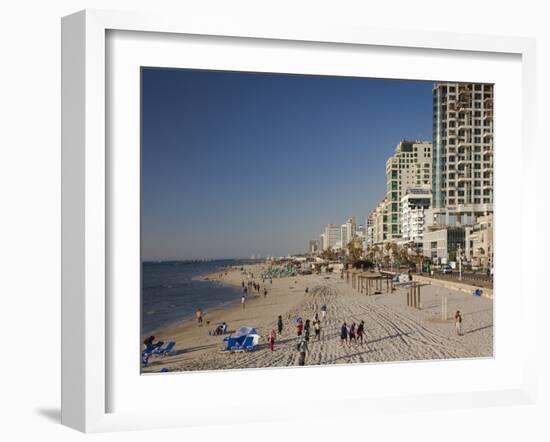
(414, 205)
(462, 166)
(348, 231)
(323, 241)
(380, 222)
(410, 166)
(369, 231)
(333, 236)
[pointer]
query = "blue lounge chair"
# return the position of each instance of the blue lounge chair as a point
(164, 351)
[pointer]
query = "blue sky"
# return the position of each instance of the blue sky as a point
(237, 163)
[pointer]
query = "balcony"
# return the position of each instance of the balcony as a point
(464, 125)
(463, 142)
(463, 176)
(463, 160)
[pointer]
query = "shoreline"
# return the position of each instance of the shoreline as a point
(394, 332)
(206, 277)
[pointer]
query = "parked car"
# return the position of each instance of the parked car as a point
(446, 269)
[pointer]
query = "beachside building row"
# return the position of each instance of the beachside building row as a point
(446, 184)
(337, 237)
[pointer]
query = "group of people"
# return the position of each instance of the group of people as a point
(303, 329)
(248, 287)
(353, 333)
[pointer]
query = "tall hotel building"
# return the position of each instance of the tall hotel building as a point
(462, 166)
(410, 166)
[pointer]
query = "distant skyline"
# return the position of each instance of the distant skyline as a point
(235, 163)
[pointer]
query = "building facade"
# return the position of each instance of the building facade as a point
(414, 204)
(380, 222)
(462, 166)
(443, 244)
(479, 243)
(348, 231)
(323, 241)
(333, 236)
(410, 166)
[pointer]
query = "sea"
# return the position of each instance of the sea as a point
(173, 290)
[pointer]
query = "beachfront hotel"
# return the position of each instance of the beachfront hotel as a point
(410, 166)
(462, 166)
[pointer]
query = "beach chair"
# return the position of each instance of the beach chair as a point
(153, 348)
(144, 359)
(166, 350)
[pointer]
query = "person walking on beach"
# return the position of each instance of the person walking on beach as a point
(317, 328)
(307, 329)
(271, 340)
(243, 300)
(242, 283)
(352, 333)
(198, 315)
(245, 291)
(344, 333)
(280, 324)
(361, 331)
(324, 311)
(302, 349)
(299, 327)
(458, 323)
(265, 292)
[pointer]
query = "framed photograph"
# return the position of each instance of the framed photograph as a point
(255, 212)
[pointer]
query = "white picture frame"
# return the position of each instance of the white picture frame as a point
(86, 204)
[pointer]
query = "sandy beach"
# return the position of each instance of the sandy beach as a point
(394, 332)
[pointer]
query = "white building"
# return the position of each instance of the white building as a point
(479, 242)
(333, 236)
(323, 241)
(414, 204)
(410, 166)
(462, 172)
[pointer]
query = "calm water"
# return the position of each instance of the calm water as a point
(172, 292)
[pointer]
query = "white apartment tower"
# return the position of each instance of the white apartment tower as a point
(414, 205)
(462, 168)
(410, 166)
(348, 231)
(333, 236)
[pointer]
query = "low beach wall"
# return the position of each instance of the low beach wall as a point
(453, 285)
